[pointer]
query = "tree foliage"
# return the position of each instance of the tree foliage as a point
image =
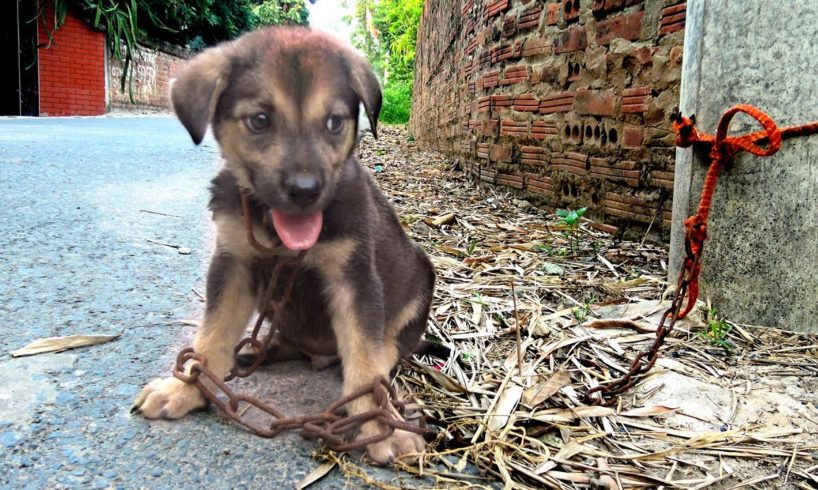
(386, 32)
(193, 24)
(187, 23)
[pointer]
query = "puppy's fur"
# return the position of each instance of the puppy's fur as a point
(364, 291)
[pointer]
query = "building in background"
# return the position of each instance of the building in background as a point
(67, 72)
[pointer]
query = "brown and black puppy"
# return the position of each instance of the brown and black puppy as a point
(283, 104)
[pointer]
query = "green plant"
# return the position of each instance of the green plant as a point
(397, 103)
(570, 221)
(386, 32)
(581, 312)
(717, 331)
(471, 247)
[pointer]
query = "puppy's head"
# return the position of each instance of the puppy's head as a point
(283, 104)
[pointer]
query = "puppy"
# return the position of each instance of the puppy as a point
(283, 104)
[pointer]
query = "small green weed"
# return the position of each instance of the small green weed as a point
(581, 312)
(571, 220)
(717, 331)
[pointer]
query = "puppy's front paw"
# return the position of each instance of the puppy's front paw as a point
(403, 445)
(168, 398)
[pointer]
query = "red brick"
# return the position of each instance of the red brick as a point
(500, 102)
(618, 4)
(541, 185)
(500, 153)
(488, 174)
(626, 172)
(490, 128)
(530, 19)
(632, 136)
(662, 178)
(596, 102)
(534, 156)
(526, 103)
(573, 39)
(510, 180)
(634, 100)
(490, 80)
(605, 228)
(673, 18)
(624, 26)
(552, 16)
(514, 74)
(471, 46)
(536, 46)
(509, 127)
(629, 207)
(570, 162)
(509, 26)
(496, 8)
(541, 130)
(484, 104)
(560, 102)
(482, 150)
(72, 77)
(570, 10)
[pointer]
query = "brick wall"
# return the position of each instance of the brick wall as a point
(154, 71)
(565, 101)
(72, 69)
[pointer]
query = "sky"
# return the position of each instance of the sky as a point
(326, 15)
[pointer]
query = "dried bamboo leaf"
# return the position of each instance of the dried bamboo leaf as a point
(506, 403)
(651, 411)
(537, 394)
(59, 344)
(316, 474)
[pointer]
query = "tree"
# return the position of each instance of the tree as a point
(386, 32)
(193, 24)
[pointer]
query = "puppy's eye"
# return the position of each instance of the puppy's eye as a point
(335, 124)
(258, 122)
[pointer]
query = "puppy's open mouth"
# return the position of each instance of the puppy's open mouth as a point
(298, 231)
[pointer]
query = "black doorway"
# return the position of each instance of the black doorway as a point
(19, 84)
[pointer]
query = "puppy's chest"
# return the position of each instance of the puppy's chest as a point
(306, 301)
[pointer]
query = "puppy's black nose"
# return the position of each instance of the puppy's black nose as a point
(303, 189)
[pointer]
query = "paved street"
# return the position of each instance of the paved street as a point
(74, 259)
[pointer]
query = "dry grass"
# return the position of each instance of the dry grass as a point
(520, 420)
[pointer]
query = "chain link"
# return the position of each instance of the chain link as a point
(334, 424)
(722, 148)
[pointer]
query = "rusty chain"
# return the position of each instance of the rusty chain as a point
(722, 147)
(607, 393)
(334, 424)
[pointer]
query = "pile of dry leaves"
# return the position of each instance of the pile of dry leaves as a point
(727, 405)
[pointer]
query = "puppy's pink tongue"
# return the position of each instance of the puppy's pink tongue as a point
(298, 231)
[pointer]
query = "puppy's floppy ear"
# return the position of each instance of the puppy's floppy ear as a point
(365, 85)
(196, 90)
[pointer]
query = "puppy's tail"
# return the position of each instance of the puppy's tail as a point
(428, 348)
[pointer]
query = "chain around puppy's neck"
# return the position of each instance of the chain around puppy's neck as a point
(277, 250)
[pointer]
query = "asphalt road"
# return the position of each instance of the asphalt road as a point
(74, 259)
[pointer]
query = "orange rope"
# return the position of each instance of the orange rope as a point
(723, 148)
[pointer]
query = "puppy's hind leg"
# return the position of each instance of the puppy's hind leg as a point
(230, 302)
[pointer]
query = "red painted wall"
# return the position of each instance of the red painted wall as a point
(72, 69)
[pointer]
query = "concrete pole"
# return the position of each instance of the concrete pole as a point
(760, 264)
